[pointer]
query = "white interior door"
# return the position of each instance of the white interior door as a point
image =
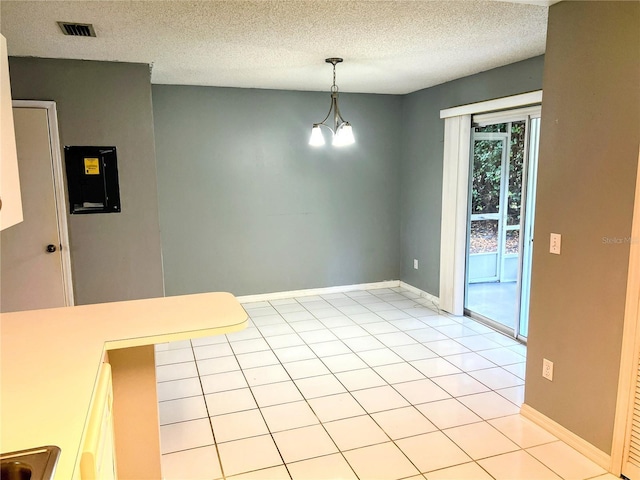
(31, 266)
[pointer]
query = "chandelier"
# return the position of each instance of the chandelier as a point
(342, 133)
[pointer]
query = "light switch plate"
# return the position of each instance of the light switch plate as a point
(555, 243)
(547, 369)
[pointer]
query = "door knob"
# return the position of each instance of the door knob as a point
(51, 248)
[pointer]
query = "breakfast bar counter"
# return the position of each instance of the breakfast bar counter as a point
(50, 361)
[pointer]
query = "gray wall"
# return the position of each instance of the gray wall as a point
(114, 256)
(247, 206)
(586, 179)
(422, 152)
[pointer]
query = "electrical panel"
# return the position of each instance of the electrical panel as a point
(92, 179)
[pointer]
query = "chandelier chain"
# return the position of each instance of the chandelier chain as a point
(334, 87)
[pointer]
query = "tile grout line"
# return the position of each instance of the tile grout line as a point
(387, 384)
(356, 353)
(213, 433)
(258, 408)
(306, 400)
(367, 413)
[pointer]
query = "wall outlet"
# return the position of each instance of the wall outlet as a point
(415, 263)
(547, 369)
(554, 243)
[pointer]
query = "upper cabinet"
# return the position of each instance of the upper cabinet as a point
(11, 206)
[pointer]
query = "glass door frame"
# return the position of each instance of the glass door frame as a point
(455, 168)
(529, 183)
(527, 212)
(499, 216)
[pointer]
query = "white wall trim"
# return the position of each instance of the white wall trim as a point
(59, 190)
(578, 443)
(432, 298)
(630, 351)
(262, 297)
(453, 233)
(504, 103)
(503, 116)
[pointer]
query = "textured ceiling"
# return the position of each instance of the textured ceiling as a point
(388, 46)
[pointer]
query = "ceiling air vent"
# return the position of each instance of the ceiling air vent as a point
(77, 29)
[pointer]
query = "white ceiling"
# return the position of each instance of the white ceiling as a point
(388, 46)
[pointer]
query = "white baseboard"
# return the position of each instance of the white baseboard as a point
(262, 297)
(432, 298)
(578, 443)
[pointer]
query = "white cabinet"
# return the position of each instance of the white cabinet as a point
(11, 206)
(98, 460)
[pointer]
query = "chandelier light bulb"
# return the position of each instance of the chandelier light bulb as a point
(344, 136)
(317, 139)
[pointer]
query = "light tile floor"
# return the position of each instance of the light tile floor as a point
(369, 385)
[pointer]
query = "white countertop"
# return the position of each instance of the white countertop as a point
(49, 360)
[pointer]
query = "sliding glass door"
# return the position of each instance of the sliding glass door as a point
(500, 220)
